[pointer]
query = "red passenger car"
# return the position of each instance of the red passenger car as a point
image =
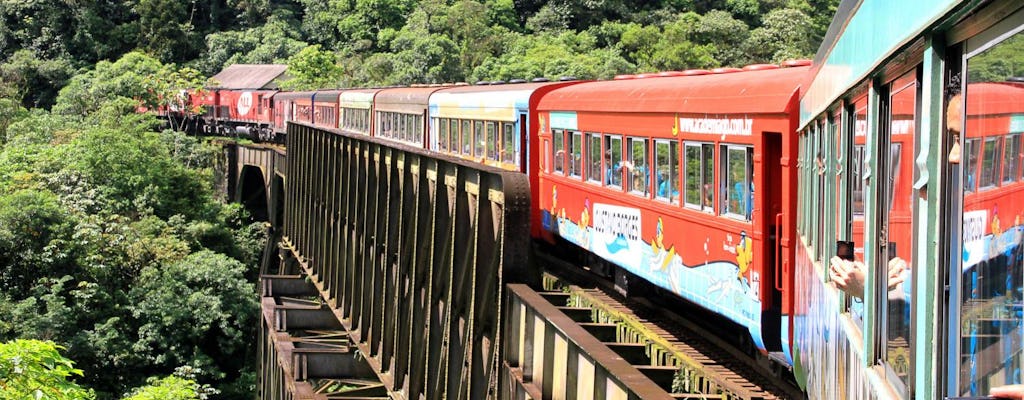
(684, 181)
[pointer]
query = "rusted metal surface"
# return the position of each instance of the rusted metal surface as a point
(410, 252)
(303, 346)
(549, 355)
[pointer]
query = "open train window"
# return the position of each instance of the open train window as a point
(613, 161)
(594, 157)
(666, 165)
(699, 172)
(576, 155)
(737, 190)
(637, 169)
(558, 150)
(442, 133)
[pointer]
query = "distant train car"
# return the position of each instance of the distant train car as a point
(400, 114)
(302, 107)
(680, 181)
(909, 166)
(285, 109)
(325, 108)
(356, 108)
(493, 125)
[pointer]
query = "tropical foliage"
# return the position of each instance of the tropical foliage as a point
(112, 245)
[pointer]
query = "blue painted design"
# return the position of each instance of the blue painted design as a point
(616, 245)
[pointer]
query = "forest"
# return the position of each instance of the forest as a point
(122, 273)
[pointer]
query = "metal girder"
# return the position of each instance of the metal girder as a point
(410, 251)
(549, 355)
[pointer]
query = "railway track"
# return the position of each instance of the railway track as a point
(677, 353)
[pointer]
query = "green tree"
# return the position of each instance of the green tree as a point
(164, 300)
(273, 42)
(32, 369)
(33, 228)
(33, 80)
(785, 33)
(724, 35)
(313, 68)
(167, 388)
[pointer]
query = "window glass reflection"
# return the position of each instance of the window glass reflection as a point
(991, 329)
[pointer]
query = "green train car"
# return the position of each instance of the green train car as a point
(907, 275)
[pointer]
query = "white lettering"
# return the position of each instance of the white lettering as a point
(244, 103)
(722, 126)
(974, 225)
(614, 220)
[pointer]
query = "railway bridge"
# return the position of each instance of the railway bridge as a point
(396, 273)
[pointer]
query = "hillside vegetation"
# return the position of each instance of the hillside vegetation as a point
(121, 275)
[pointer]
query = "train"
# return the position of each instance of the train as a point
(897, 150)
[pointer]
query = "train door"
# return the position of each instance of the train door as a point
(768, 181)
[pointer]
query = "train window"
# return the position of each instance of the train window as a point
(479, 139)
(860, 131)
(442, 133)
(467, 137)
(991, 152)
(637, 168)
(842, 205)
(492, 140)
(1011, 158)
(613, 161)
(972, 147)
(453, 136)
(576, 155)
(990, 289)
(508, 143)
(418, 127)
(666, 163)
(594, 157)
(895, 291)
(558, 150)
(737, 183)
(699, 170)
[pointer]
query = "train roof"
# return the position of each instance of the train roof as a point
(863, 34)
(357, 98)
(405, 99)
(329, 95)
(249, 76)
(992, 98)
(761, 91)
(294, 95)
(498, 102)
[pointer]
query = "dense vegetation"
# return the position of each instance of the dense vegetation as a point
(114, 252)
(113, 246)
(384, 42)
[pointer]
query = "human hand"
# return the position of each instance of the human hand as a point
(1015, 392)
(847, 275)
(896, 268)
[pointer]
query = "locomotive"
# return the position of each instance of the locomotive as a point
(899, 149)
